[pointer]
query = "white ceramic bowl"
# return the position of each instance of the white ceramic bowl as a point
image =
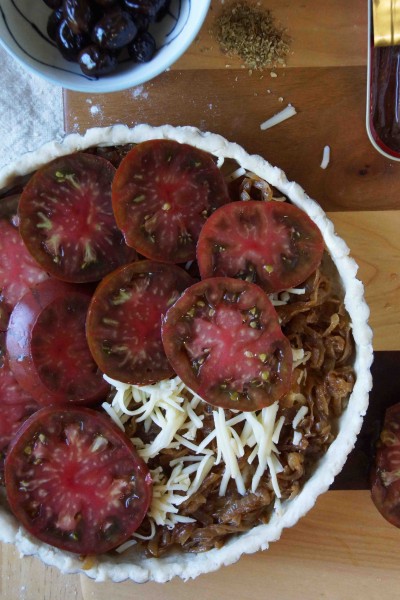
(23, 34)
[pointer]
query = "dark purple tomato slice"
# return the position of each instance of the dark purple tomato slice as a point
(47, 347)
(124, 320)
(162, 194)
(18, 270)
(386, 472)
(16, 405)
(223, 339)
(66, 219)
(75, 481)
(272, 244)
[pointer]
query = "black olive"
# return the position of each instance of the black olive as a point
(69, 43)
(95, 61)
(53, 3)
(115, 30)
(106, 3)
(79, 15)
(53, 22)
(143, 47)
(149, 8)
(141, 21)
(163, 10)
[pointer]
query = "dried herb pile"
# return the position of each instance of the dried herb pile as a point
(248, 31)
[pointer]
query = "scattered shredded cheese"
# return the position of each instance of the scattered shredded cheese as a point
(301, 413)
(171, 405)
(235, 174)
(326, 157)
(284, 114)
(297, 437)
(282, 298)
(300, 357)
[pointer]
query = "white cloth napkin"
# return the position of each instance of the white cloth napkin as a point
(31, 111)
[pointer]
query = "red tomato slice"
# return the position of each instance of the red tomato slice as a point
(162, 194)
(16, 406)
(18, 271)
(75, 481)
(386, 472)
(66, 219)
(47, 347)
(273, 244)
(224, 341)
(124, 320)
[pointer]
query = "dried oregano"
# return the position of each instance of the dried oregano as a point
(244, 29)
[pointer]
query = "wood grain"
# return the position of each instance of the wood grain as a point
(327, 555)
(331, 111)
(374, 240)
(333, 34)
(30, 579)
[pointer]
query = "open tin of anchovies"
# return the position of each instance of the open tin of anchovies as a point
(383, 81)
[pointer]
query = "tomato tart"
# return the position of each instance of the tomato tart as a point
(185, 353)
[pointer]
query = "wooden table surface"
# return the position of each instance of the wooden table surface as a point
(343, 548)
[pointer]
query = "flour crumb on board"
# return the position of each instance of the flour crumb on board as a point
(75, 125)
(138, 92)
(95, 110)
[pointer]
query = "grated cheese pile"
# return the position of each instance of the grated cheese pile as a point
(172, 406)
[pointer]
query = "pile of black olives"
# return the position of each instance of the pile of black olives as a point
(94, 33)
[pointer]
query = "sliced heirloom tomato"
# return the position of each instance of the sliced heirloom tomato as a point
(223, 339)
(67, 222)
(16, 405)
(47, 347)
(75, 481)
(273, 244)
(18, 270)
(124, 320)
(386, 472)
(162, 194)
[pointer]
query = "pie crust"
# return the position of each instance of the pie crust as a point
(187, 566)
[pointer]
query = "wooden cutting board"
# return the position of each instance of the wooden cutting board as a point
(343, 549)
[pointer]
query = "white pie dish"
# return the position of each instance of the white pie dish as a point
(189, 566)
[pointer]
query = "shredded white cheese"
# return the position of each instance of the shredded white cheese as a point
(171, 406)
(297, 437)
(284, 114)
(325, 157)
(282, 298)
(240, 172)
(300, 357)
(301, 413)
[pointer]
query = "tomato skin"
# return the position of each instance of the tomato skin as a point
(16, 405)
(124, 320)
(38, 345)
(18, 270)
(67, 222)
(273, 244)
(385, 475)
(223, 339)
(162, 194)
(74, 480)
